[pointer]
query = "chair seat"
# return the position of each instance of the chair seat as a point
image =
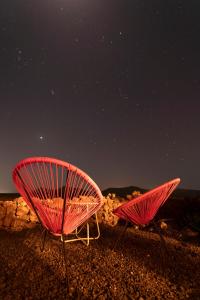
(142, 209)
(76, 210)
(62, 196)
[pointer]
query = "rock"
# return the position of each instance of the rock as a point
(163, 225)
(10, 207)
(20, 201)
(105, 214)
(23, 213)
(16, 214)
(22, 210)
(110, 203)
(18, 224)
(2, 212)
(136, 194)
(32, 217)
(106, 207)
(8, 220)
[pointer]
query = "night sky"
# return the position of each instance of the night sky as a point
(111, 86)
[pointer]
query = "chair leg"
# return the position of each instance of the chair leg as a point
(88, 234)
(98, 230)
(86, 240)
(65, 264)
(43, 239)
(120, 237)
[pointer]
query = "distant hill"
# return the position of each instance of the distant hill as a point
(123, 191)
(178, 193)
(8, 196)
(184, 193)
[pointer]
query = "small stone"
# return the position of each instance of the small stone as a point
(163, 225)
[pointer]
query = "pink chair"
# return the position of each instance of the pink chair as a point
(62, 196)
(142, 210)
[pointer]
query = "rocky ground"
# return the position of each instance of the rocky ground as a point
(137, 269)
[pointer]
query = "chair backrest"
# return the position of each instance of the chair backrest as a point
(62, 196)
(141, 210)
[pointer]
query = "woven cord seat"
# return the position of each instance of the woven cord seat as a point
(142, 210)
(62, 196)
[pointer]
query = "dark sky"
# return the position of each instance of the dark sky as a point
(111, 86)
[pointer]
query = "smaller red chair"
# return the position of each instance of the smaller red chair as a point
(142, 210)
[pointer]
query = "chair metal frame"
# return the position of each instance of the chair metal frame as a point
(86, 240)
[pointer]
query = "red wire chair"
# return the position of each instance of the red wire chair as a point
(142, 210)
(62, 196)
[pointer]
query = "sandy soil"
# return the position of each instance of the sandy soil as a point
(136, 269)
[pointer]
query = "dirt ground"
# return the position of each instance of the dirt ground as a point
(138, 268)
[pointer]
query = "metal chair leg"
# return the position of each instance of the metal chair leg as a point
(65, 264)
(88, 234)
(85, 240)
(98, 230)
(43, 239)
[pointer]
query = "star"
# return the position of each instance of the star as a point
(52, 92)
(102, 39)
(19, 58)
(181, 158)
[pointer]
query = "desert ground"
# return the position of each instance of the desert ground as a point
(138, 268)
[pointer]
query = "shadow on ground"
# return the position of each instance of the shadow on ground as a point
(132, 270)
